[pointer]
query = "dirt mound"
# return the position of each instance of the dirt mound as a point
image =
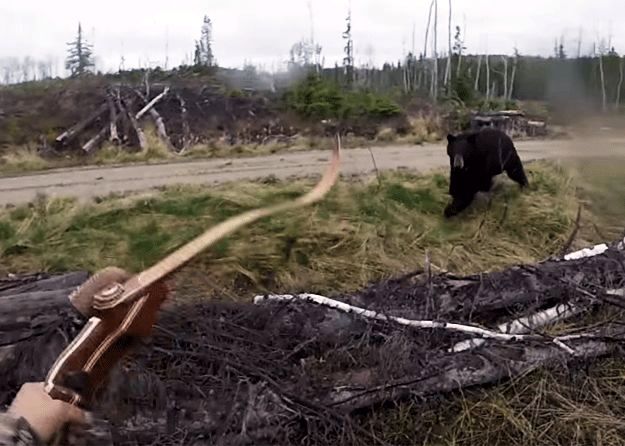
(192, 113)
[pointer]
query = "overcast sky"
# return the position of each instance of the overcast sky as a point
(261, 32)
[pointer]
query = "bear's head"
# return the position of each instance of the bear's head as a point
(459, 149)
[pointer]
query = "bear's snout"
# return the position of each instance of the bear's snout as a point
(458, 162)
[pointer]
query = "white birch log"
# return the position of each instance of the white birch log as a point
(151, 104)
(427, 325)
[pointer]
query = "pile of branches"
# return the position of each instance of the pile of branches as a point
(181, 116)
(303, 369)
(118, 119)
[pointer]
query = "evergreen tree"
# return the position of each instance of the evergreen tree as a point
(80, 55)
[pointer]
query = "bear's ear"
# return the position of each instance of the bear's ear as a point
(472, 138)
(450, 138)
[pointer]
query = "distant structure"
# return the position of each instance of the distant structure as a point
(513, 122)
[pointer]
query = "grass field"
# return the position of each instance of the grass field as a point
(362, 232)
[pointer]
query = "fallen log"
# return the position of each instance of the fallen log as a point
(150, 105)
(236, 373)
(96, 141)
(186, 131)
(143, 144)
(113, 116)
(74, 131)
(158, 121)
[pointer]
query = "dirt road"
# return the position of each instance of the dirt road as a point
(91, 182)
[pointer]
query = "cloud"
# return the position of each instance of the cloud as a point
(263, 32)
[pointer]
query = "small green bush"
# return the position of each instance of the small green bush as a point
(316, 98)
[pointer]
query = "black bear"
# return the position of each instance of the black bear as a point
(475, 158)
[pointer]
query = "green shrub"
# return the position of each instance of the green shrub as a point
(316, 98)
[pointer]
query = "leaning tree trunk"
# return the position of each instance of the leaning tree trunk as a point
(113, 116)
(513, 78)
(488, 91)
(74, 131)
(617, 104)
(476, 87)
(604, 100)
(435, 55)
(449, 54)
(159, 122)
(505, 77)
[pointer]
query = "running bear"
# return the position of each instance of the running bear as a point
(475, 158)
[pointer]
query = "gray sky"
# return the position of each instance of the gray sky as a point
(263, 31)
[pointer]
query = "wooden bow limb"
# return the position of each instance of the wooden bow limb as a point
(122, 311)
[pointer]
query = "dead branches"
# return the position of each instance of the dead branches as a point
(265, 368)
(186, 132)
(156, 117)
(118, 102)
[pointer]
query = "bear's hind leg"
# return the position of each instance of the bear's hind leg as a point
(514, 170)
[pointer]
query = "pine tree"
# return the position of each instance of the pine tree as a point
(80, 55)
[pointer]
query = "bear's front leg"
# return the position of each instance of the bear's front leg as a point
(515, 171)
(458, 204)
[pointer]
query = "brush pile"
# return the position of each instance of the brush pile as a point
(290, 370)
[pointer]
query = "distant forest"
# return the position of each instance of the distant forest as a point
(594, 81)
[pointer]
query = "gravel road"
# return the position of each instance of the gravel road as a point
(90, 182)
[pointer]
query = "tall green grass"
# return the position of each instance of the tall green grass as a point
(359, 233)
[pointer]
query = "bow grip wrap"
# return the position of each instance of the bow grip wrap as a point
(107, 337)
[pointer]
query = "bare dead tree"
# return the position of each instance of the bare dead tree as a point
(435, 54)
(449, 49)
(513, 76)
(505, 76)
(461, 47)
(488, 92)
(427, 35)
(186, 131)
(617, 104)
(604, 101)
(427, 30)
(415, 65)
(404, 74)
(579, 42)
(146, 82)
(476, 87)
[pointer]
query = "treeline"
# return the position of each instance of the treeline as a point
(594, 81)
